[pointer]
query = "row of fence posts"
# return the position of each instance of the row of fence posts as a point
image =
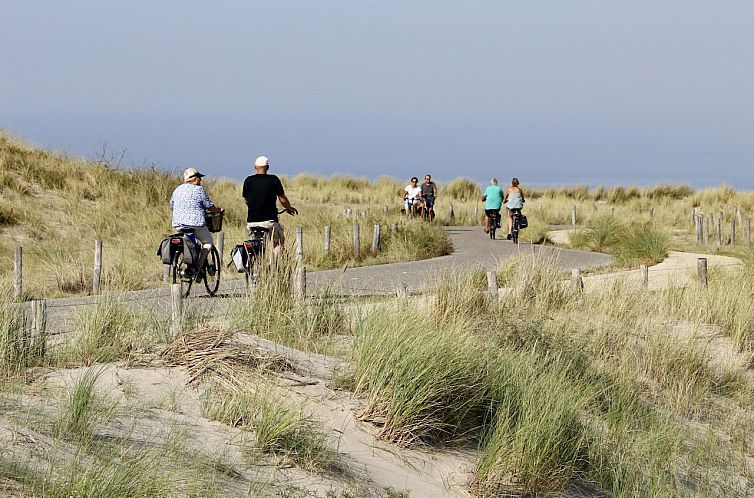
(702, 227)
(577, 280)
(18, 270)
(299, 280)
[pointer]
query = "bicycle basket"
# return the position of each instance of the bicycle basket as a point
(214, 221)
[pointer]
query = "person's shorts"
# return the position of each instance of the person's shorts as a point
(277, 235)
(409, 202)
(430, 202)
(487, 212)
(201, 233)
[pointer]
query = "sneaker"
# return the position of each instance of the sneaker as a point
(509, 237)
(486, 230)
(199, 276)
(498, 224)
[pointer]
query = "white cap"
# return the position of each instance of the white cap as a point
(191, 173)
(261, 161)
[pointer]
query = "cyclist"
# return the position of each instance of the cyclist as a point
(493, 201)
(261, 191)
(412, 194)
(429, 194)
(514, 201)
(188, 203)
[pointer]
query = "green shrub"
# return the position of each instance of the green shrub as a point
(641, 244)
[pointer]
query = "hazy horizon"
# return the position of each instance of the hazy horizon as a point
(582, 92)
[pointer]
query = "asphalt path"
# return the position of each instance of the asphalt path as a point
(472, 249)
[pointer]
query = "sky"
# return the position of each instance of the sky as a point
(557, 92)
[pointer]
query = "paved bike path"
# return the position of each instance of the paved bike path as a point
(472, 249)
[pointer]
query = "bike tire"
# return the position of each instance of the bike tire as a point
(175, 265)
(177, 277)
(212, 282)
(492, 229)
(514, 230)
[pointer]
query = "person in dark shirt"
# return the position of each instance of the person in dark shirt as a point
(429, 194)
(261, 193)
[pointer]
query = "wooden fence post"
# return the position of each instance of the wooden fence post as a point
(693, 216)
(97, 267)
(220, 246)
(573, 217)
(376, 239)
(699, 227)
(328, 232)
(719, 231)
(732, 230)
(176, 298)
(644, 275)
(701, 268)
(451, 214)
(576, 280)
(705, 222)
(18, 271)
(38, 335)
(166, 273)
(384, 210)
(476, 214)
(394, 229)
(356, 241)
(492, 285)
(739, 215)
(299, 285)
(299, 245)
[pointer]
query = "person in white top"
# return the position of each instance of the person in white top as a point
(412, 196)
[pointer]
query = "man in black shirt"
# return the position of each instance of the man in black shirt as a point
(261, 191)
(429, 194)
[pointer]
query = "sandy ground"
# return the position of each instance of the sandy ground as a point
(154, 398)
(678, 269)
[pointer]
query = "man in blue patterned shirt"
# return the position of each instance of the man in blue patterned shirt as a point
(189, 203)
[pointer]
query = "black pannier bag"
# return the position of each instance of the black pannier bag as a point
(522, 221)
(163, 250)
(191, 248)
(168, 247)
(238, 258)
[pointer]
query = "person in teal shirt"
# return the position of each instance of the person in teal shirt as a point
(493, 201)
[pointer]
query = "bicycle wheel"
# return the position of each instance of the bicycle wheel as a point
(212, 271)
(514, 229)
(493, 227)
(178, 267)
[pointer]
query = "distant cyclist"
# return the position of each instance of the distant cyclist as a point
(493, 201)
(514, 201)
(189, 203)
(412, 195)
(429, 194)
(261, 193)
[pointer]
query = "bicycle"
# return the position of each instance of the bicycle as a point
(253, 248)
(428, 211)
(185, 272)
(492, 220)
(515, 225)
